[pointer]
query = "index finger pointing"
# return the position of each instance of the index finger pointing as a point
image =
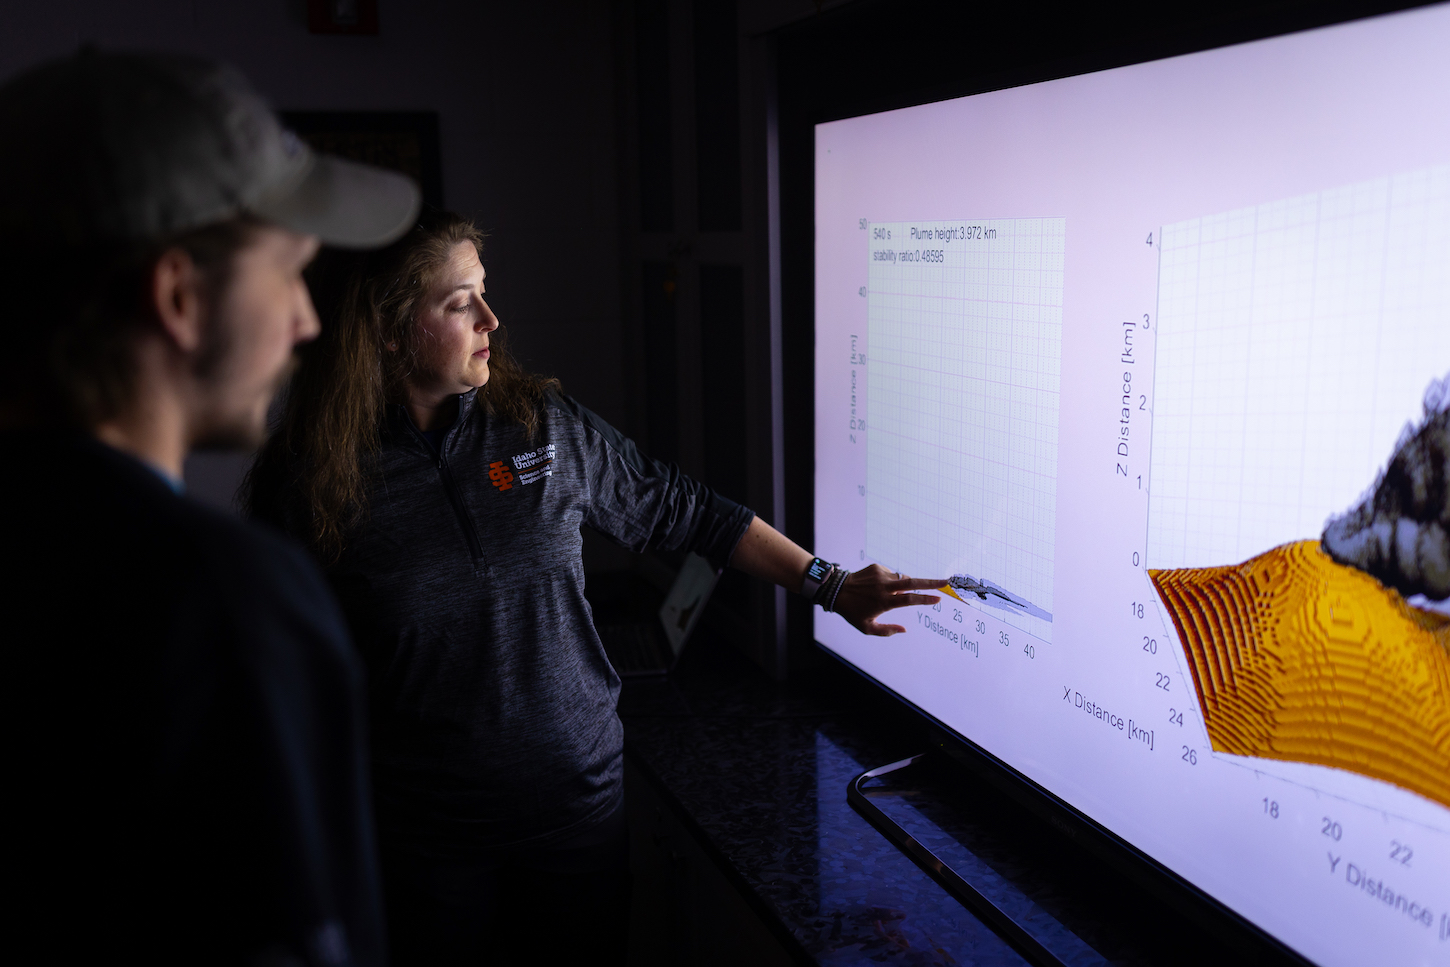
(916, 584)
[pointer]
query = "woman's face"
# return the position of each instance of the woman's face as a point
(453, 324)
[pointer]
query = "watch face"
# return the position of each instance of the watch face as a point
(818, 570)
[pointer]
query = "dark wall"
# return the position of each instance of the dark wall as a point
(525, 95)
(696, 255)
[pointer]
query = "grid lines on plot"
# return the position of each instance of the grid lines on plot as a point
(1294, 340)
(964, 344)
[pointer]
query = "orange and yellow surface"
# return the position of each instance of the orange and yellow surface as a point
(1297, 657)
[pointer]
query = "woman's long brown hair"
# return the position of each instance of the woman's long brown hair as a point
(311, 477)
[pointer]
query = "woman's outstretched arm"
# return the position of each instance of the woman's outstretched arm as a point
(766, 553)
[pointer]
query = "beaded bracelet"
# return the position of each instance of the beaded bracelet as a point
(838, 580)
(824, 587)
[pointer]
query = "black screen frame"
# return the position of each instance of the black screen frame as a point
(820, 72)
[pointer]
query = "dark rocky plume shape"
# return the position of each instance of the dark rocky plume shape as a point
(1400, 531)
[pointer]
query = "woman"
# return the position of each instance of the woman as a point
(444, 489)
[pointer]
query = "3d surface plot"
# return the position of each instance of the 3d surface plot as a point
(1299, 658)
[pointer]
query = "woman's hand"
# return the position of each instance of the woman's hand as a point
(765, 552)
(873, 590)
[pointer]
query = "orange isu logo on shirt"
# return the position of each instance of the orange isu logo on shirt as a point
(501, 475)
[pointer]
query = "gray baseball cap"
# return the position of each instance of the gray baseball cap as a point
(137, 147)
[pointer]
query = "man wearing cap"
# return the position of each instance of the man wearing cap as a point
(185, 729)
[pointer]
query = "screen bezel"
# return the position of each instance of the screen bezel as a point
(803, 96)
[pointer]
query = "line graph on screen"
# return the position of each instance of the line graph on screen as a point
(965, 344)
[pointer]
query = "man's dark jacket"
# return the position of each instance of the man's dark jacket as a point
(186, 767)
(493, 704)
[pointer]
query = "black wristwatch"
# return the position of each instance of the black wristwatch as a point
(816, 575)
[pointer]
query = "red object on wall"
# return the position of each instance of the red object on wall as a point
(342, 16)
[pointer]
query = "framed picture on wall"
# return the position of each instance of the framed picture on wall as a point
(405, 141)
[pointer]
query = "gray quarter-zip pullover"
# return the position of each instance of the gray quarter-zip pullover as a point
(493, 704)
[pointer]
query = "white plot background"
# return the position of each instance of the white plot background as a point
(962, 388)
(1295, 340)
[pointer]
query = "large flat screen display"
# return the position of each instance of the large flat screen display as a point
(1151, 364)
